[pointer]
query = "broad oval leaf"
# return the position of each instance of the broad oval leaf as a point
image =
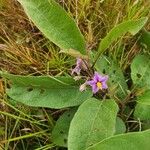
(61, 129)
(140, 71)
(94, 121)
(120, 126)
(55, 24)
(142, 109)
(128, 141)
(132, 26)
(46, 91)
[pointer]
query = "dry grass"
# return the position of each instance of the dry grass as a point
(23, 49)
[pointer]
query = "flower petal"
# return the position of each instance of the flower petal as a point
(104, 78)
(79, 65)
(97, 77)
(76, 70)
(104, 85)
(79, 62)
(95, 89)
(91, 82)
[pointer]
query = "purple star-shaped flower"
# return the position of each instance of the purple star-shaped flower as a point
(98, 82)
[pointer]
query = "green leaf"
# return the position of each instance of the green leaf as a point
(46, 91)
(120, 126)
(61, 129)
(94, 121)
(142, 109)
(145, 39)
(132, 26)
(140, 71)
(55, 24)
(145, 124)
(128, 141)
(116, 81)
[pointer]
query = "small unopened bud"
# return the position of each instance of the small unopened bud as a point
(82, 87)
(76, 78)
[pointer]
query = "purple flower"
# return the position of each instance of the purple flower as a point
(77, 68)
(98, 82)
(79, 65)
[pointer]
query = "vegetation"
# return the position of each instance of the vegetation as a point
(25, 51)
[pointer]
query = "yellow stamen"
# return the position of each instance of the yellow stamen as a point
(99, 85)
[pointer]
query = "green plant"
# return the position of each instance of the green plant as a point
(93, 124)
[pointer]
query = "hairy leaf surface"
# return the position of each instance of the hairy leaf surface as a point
(55, 24)
(133, 141)
(94, 121)
(46, 91)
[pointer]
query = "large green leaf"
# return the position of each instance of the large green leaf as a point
(116, 82)
(145, 124)
(55, 23)
(120, 126)
(61, 129)
(46, 91)
(128, 141)
(142, 109)
(140, 71)
(94, 121)
(145, 39)
(132, 26)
